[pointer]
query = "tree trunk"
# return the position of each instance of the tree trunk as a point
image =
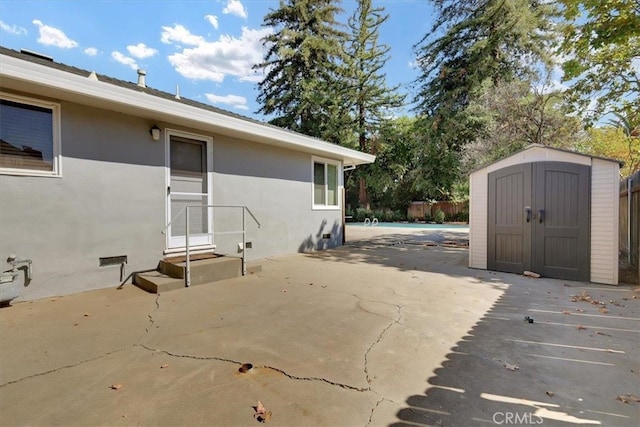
(363, 196)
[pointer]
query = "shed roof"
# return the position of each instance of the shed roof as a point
(29, 73)
(545, 147)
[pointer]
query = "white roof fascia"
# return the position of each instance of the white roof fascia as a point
(62, 80)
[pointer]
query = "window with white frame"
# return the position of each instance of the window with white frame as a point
(29, 136)
(326, 184)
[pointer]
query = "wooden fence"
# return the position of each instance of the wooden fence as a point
(422, 210)
(630, 220)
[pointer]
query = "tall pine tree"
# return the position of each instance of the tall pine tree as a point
(373, 101)
(303, 67)
(472, 46)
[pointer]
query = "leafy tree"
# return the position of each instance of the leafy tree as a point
(517, 114)
(602, 44)
(304, 64)
(619, 139)
(372, 100)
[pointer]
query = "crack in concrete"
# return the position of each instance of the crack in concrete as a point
(377, 341)
(150, 316)
(324, 380)
(382, 399)
(188, 356)
(73, 365)
(280, 371)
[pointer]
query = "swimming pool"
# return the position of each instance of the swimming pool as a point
(409, 225)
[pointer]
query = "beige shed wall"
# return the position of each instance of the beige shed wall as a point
(604, 209)
(605, 181)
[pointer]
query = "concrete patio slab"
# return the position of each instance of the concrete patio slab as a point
(385, 331)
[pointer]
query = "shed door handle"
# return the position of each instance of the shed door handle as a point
(527, 214)
(541, 216)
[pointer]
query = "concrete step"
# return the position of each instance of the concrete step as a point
(157, 282)
(170, 275)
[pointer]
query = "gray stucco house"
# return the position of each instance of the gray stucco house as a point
(93, 168)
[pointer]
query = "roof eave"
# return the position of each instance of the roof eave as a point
(113, 96)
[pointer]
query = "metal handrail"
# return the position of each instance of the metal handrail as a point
(187, 246)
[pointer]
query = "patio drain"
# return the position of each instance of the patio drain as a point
(245, 368)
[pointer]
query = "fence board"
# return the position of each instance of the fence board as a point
(630, 216)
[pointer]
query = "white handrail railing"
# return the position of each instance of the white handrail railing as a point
(185, 209)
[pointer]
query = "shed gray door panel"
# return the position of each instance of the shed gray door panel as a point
(539, 220)
(561, 227)
(509, 243)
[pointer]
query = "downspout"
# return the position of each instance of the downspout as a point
(629, 185)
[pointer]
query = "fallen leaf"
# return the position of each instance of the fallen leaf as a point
(116, 386)
(580, 328)
(603, 310)
(262, 415)
(550, 393)
(87, 314)
(628, 398)
(531, 274)
(165, 366)
(511, 367)
(284, 291)
(579, 310)
(566, 312)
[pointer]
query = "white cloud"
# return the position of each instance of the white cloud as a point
(227, 56)
(213, 20)
(51, 36)
(124, 59)
(91, 51)
(13, 29)
(179, 34)
(235, 7)
(141, 51)
(238, 102)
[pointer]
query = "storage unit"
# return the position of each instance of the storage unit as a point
(546, 210)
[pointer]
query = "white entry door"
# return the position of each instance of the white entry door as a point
(189, 184)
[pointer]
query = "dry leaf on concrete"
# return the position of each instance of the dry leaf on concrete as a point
(511, 367)
(262, 415)
(566, 312)
(116, 386)
(580, 328)
(165, 366)
(628, 398)
(603, 310)
(87, 314)
(550, 393)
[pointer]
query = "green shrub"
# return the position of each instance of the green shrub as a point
(361, 214)
(438, 216)
(399, 215)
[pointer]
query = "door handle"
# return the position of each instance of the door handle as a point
(541, 216)
(527, 212)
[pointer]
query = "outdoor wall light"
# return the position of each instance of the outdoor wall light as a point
(155, 133)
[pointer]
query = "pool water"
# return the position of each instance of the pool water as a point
(410, 225)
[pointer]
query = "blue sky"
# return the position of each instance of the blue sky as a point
(207, 47)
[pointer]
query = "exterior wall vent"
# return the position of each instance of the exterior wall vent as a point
(113, 260)
(326, 236)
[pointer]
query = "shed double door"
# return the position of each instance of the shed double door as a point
(539, 220)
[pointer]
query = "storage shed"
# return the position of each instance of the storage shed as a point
(546, 210)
